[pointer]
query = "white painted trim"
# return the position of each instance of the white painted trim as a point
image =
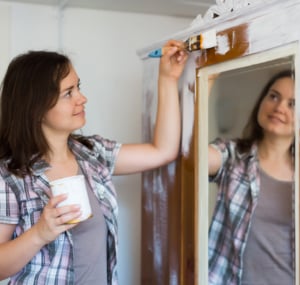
(202, 207)
(297, 166)
(220, 23)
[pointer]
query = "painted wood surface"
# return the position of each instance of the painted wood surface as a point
(169, 254)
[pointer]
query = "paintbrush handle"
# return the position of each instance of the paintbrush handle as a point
(156, 53)
(159, 52)
(202, 41)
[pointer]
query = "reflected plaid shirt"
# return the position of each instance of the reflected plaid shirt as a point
(238, 184)
(22, 201)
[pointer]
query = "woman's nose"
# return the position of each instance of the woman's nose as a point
(281, 106)
(81, 99)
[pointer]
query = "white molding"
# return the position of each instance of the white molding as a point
(225, 7)
(229, 15)
(297, 168)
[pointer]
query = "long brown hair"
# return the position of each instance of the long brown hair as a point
(30, 88)
(253, 132)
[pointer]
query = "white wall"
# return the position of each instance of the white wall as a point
(103, 48)
(5, 37)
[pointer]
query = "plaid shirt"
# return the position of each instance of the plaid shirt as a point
(238, 184)
(23, 199)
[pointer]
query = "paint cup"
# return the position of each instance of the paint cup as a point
(75, 188)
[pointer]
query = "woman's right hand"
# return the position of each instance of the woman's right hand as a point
(53, 220)
(16, 253)
(173, 61)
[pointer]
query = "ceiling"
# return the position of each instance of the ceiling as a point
(182, 8)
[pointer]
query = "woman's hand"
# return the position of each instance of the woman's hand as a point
(173, 60)
(165, 143)
(53, 220)
(16, 253)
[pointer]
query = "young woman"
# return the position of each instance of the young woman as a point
(251, 234)
(41, 107)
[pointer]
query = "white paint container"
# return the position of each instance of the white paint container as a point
(75, 188)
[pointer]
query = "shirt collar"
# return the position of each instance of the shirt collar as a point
(80, 151)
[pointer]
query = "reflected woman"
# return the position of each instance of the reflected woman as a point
(251, 235)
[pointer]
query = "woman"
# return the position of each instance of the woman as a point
(251, 234)
(41, 107)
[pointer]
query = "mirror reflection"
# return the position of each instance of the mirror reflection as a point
(251, 171)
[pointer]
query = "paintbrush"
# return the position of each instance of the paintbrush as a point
(205, 40)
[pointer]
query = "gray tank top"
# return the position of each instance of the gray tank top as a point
(268, 258)
(89, 243)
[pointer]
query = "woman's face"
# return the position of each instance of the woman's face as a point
(276, 112)
(68, 113)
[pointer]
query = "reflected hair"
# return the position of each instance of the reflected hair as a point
(252, 131)
(30, 88)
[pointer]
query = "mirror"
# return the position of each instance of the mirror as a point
(227, 93)
(232, 96)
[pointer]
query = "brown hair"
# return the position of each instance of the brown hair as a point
(30, 88)
(253, 132)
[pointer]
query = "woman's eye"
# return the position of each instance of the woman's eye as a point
(273, 96)
(292, 104)
(68, 94)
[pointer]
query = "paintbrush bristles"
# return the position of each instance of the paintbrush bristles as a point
(209, 39)
(202, 41)
(194, 43)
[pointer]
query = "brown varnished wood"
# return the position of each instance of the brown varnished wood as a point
(237, 44)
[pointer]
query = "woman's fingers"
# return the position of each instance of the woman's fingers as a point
(65, 214)
(54, 218)
(62, 214)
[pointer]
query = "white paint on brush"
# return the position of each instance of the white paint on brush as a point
(209, 39)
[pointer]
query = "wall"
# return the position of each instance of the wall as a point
(103, 48)
(5, 37)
